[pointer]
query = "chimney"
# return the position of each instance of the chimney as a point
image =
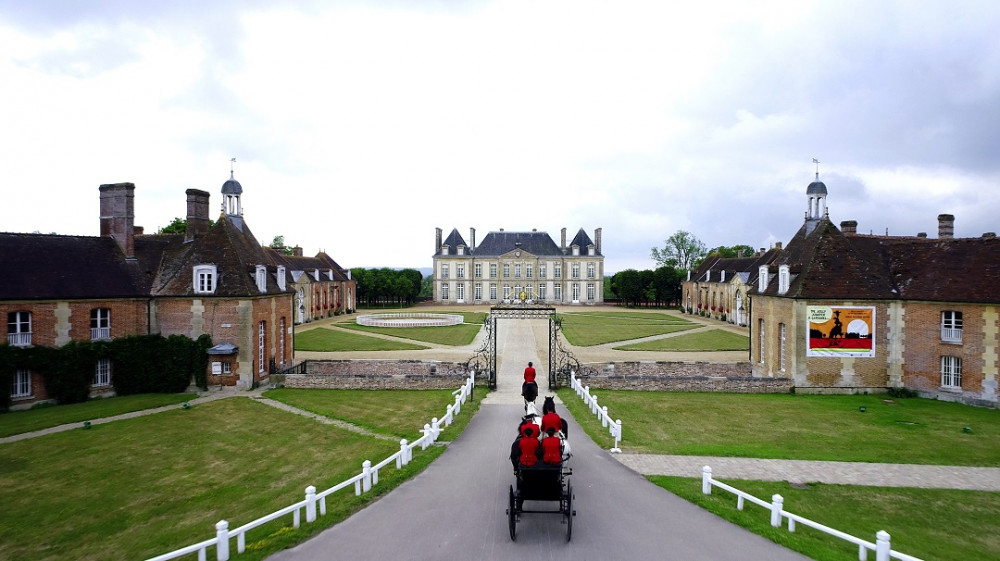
(138, 230)
(197, 214)
(562, 246)
(597, 241)
(989, 235)
(777, 245)
(472, 239)
(437, 240)
(921, 234)
(946, 226)
(849, 227)
(297, 251)
(118, 215)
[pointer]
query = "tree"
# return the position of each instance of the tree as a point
(627, 285)
(176, 226)
(732, 251)
(681, 250)
(278, 243)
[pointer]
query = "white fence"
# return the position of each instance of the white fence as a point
(362, 483)
(409, 319)
(881, 547)
(614, 426)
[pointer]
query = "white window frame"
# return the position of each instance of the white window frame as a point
(576, 291)
(281, 339)
(19, 328)
(281, 277)
(517, 271)
(261, 332)
(762, 278)
(781, 334)
(529, 269)
(444, 291)
(493, 271)
(557, 270)
(506, 292)
(506, 270)
(100, 324)
(478, 270)
(478, 291)
(20, 387)
(951, 372)
(557, 292)
(205, 279)
(784, 279)
(460, 270)
(591, 292)
(760, 336)
(102, 373)
(261, 278)
(445, 271)
(541, 291)
(541, 271)
(493, 291)
(576, 270)
(460, 292)
(591, 271)
(951, 326)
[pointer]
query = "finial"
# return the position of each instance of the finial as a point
(233, 161)
(815, 161)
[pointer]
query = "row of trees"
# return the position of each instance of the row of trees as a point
(385, 286)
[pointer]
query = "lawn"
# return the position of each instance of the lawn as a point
(586, 329)
(323, 339)
(804, 427)
(17, 422)
(921, 522)
(454, 335)
(145, 486)
(711, 340)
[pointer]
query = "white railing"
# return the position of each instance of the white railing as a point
(362, 483)
(614, 426)
(409, 319)
(881, 547)
(100, 333)
(19, 339)
(951, 335)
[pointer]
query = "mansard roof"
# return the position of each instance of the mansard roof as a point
(499, 243)
(581, 240)
(713, 267)
(827, 264)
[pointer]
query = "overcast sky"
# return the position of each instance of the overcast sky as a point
(359, 127)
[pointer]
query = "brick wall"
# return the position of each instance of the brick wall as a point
(378, 374)
(731, 377)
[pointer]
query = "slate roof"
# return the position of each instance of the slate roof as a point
(454, 240)
(711, 269)
(826, 264)
(496, 244)
(308, 265)
(581, 240)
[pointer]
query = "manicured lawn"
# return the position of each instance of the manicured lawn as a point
(456, 335)
(17, 422)
(145, 486)
(401, 413)
(712, 340)
(323, 339)
(595, 328)
(921, 522)
(788, 426)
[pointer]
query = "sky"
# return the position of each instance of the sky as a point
(360, 127)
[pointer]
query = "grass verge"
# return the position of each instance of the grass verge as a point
(323, 339)
(454, 335)
(711, 340)
(18, 422)
(595, 328)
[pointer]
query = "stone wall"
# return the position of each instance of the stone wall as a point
(731, 377)
(378, 375)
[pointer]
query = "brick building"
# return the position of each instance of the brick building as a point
(213, 279)
(523, 266)
(842, 312)
(322, 287)
(718, 288)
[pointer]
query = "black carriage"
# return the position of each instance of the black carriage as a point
(541, 482)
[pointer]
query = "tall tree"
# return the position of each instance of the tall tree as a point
(681, 250)
(176, 226)
(732, 251)
(278, 243)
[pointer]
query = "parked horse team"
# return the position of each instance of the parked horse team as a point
(541, 438)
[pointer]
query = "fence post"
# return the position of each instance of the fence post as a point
(450, 416)
(311, 503)
(618, 437)
(882, 546)
(222, 540)
(402, 460)
(604, 417)
(593, 404)
(776, 502)
(424, 441)
(706, 480)
(366, 470)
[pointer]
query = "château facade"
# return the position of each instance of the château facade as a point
(524, 267)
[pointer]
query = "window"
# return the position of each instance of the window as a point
(762, 278)
(478, 291)
(506, 270)
(557, 270)
(506, 292)
(261, 278)
(102, 373)
(493, 291)
(530, 291)
(541, 271)
(460, 270)
(576, 270)
(493, 270)
(19, 329)
(784, 279)
(100, 324)
(445, 271)
(460, 292)
(557, 292)
(591, 270)
(576, 292)
(951, 326)
(478, 270)
(541, 291)
(781, 333)
(591, 291)
(227, 367)
(517, 271)
(951, 372)
(760, 336)
(281, 340)
(204, 279)
(281, 277)
(20, 387)
(444, 291)
(260, 347)
(528, 269)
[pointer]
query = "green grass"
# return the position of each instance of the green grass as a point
(399, 413)
(18, 422)
(922, 522)
(711, 340)
(145, 486)
(595, 328)
(455, 335)
(804, 427)
(323, 339)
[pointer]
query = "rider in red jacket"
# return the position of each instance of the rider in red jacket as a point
(552, 448)
(528, 445)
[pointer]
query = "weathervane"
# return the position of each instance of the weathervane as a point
(815, 161)
(233, 161)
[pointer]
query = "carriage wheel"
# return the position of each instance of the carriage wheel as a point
(512, 514)
(569, 510)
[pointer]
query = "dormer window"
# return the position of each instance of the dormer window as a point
(329, 274)
(205, 279)
(261, 278)
(762, 279)
(576, 250)
(460, 250)
(784, 279)
(281, 277)
(316, 275)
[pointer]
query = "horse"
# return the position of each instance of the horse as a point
(529, 391)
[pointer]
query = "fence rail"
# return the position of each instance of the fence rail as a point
(881, 547)
(590, 400)
(314, 501)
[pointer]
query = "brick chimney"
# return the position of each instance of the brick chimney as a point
(849, 227)
(118, 215)
(946, 226)
(597, 240)
(472, 239)
(297, 251)
(197, 214)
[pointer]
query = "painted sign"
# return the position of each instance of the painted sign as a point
(844, 331)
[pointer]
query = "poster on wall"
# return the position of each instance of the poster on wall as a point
(840, 331)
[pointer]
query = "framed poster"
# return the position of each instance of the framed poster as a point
(840, 331)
